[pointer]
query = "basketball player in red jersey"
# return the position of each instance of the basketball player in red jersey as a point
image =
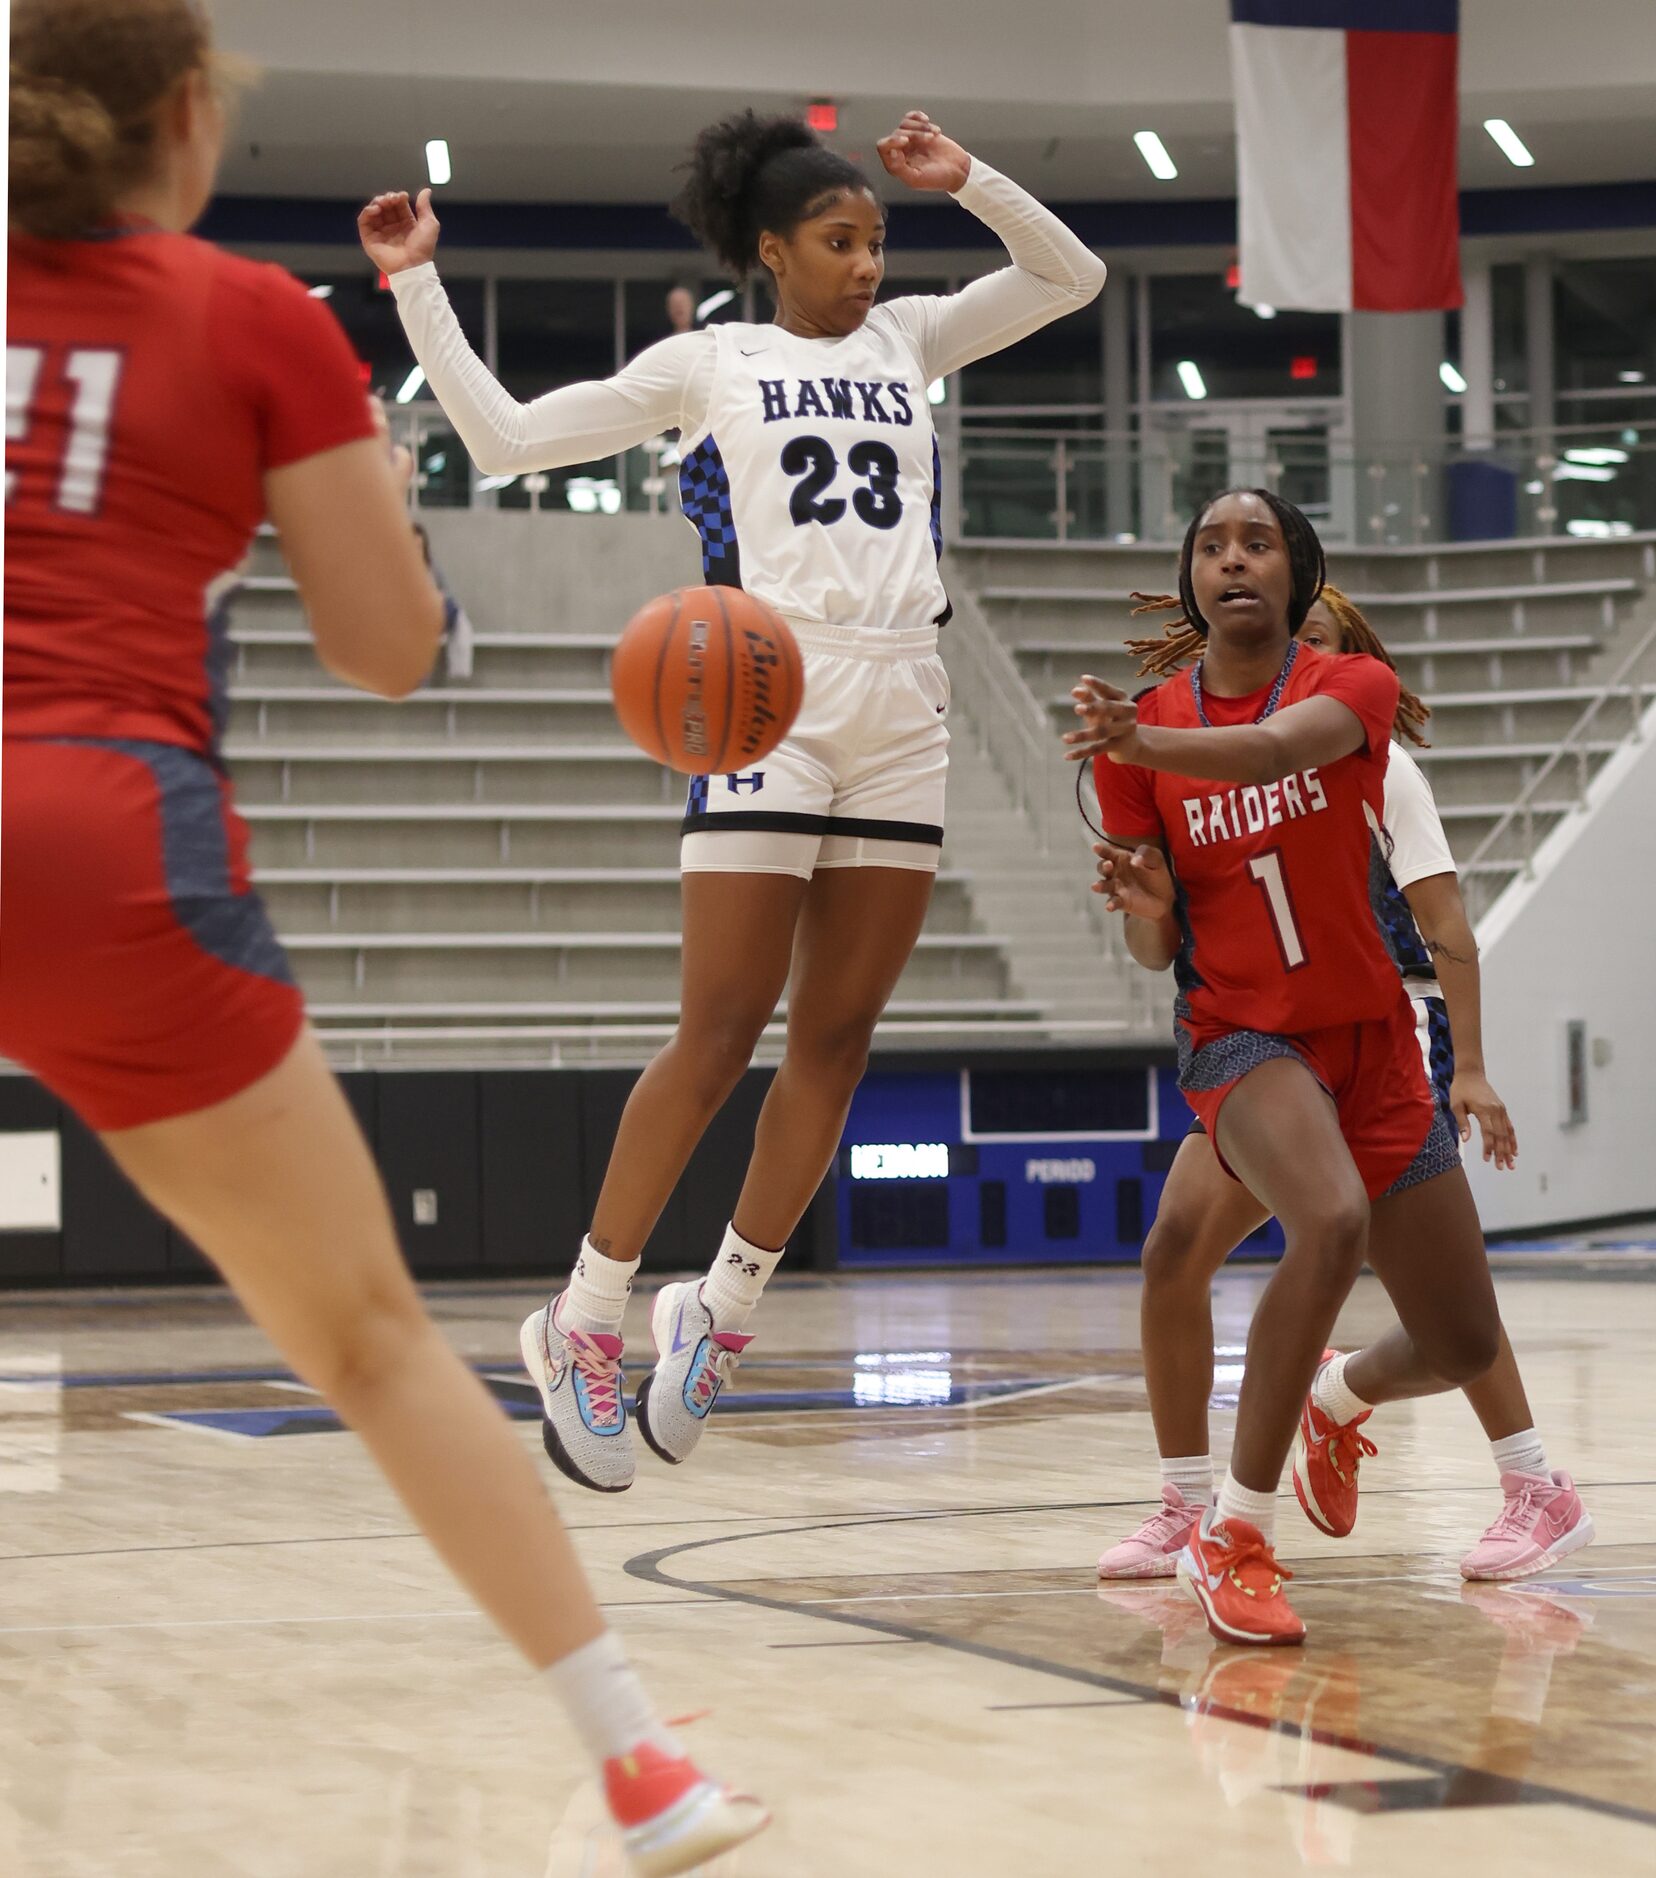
(1244, 797)
(161, 399)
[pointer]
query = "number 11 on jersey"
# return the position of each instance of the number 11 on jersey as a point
(1266, 870)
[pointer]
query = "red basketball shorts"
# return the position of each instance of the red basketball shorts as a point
(140, 977)
(1397, 1133)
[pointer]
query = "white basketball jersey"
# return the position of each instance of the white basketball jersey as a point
(813, 480)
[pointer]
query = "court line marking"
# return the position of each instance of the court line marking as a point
(848, 1643)
(1022, 1708)
(345, 1617)
(809, 1521)
(647, 1568)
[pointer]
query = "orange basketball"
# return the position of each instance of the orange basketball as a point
(707, 680)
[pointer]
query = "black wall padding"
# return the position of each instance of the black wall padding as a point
(428, 1140)
(533, 1213)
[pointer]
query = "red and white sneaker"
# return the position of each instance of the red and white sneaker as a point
(1230, 1570)
(1151, 1551)
(1327, 1455)
(1541, 1522)
(672, 1817)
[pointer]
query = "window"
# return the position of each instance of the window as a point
(1604, 323)
(551, 333)
(368, 312)
(1060, 364)
(1239, 355)
(647, 313)
(1506, 294)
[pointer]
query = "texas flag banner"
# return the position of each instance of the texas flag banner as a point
(1346, 123)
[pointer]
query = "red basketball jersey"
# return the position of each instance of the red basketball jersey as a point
(1276, 880)
(151, 380)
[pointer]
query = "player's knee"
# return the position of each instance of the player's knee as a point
(1461, 1353)
(1329, 1235)
(714, 1053)
(1177, 1256)
(354, 1359)
(835, 1050)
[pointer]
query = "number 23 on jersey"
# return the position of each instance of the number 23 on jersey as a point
(813, 461)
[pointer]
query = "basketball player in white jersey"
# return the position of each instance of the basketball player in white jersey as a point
(1204, 1214)
(810, 469)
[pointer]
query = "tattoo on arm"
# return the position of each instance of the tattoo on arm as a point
(1439, 950)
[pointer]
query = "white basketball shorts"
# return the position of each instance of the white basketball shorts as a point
(857, 782)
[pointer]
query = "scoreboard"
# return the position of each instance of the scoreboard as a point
(999, 1163)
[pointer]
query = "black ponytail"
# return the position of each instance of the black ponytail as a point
(1307, 565)
(748, 174)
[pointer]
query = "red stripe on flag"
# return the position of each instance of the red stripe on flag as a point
(1404, 120)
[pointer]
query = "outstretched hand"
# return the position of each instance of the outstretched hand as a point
(1134, 881)
(917, 153)
(396, 234)
(1111, 720)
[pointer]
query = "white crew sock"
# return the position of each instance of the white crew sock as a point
(1239, 1502)
(1192, 1475)
(1331, 1395)
(606, 1702)
(1521, 1453)
(596, 1299)
(735, 1279)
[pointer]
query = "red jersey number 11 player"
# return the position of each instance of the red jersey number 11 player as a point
(162, 397)
(1243, 801)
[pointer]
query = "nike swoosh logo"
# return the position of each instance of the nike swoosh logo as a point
(680, 1341)
(754, 353)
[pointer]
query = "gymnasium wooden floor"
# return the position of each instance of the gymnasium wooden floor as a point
(222, 1653)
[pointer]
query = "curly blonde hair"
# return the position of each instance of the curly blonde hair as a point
(1180, 644)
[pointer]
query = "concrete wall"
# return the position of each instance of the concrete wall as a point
(518, 571)
(1578, 942)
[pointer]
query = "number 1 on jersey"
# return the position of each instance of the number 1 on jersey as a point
(1266, 870)
(95, 373)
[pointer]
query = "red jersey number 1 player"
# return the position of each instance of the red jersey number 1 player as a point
(1243, 802)
(161, 398)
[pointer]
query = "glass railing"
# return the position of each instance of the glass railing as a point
(1027, 484)
(1053, 479)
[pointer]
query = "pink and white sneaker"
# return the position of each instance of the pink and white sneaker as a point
(1151, 1551)
(1542, 1521)
(672, 1817)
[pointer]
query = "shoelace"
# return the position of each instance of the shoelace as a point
(1240, 1552)
(1171, 1522)
(1516, 1515)
(600, 1373)
(1348, 1448)
(714, 1372)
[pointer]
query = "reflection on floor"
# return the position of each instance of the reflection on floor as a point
(225, 1652)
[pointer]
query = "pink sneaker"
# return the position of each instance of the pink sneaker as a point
(1151, 1551)
(1542, 1521)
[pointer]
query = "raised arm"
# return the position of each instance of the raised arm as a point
(1053, 271)
(664, 388)
(1301, 736)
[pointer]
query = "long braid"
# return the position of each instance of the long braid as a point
(1180, 644)
(1357, 635)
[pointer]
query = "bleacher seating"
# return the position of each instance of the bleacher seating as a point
(1508, 644)
(488, 868)
(489, 862)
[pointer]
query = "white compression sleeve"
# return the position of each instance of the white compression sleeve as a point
(664, 388)
(1053, 272)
